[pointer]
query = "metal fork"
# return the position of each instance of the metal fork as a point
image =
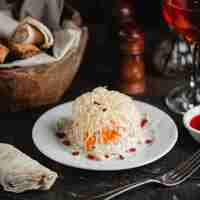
(174, 177)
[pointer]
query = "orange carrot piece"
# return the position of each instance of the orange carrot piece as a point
(90, 142)
(108, 136)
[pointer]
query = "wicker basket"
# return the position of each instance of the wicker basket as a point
(25, 88)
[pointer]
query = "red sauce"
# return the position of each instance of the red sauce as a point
(195, 122)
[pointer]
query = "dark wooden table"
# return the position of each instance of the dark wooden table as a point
(80, 184)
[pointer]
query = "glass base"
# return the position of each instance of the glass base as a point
(182, 98)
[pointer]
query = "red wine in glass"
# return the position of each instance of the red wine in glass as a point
(184, 17)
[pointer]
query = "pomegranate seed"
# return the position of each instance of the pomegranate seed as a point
(131, 150)
(60, 135)
(66, 142)
(143, 123)
(107, 156)
(148, 141)
(91, 157)
(121, 157)
(76, 153)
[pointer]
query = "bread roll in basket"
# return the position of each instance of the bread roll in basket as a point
(35, 86)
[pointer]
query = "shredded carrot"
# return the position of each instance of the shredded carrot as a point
(90, 142)
(108, 136)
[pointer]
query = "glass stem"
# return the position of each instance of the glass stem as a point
(195, 72)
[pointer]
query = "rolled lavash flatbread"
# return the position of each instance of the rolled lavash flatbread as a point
(31, 31)
(28, 34)
(19, 173)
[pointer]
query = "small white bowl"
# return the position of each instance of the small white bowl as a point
(187, 119)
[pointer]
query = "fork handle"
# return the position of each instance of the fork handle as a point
(118, 191)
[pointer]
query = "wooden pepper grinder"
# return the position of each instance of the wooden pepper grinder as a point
(131, 80)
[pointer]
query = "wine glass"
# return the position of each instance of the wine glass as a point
(183, 16)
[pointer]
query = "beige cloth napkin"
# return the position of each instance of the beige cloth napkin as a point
(66, 40)
(49, 12)
(11, 24)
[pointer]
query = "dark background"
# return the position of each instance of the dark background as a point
(99, 16)
(100, 11)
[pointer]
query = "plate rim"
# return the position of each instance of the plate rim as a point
(155, 158)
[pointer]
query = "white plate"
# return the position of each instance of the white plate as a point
(164, 128)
